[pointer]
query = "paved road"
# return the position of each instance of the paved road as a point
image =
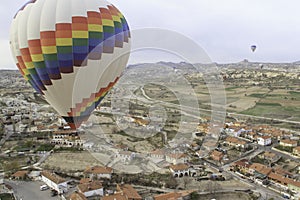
(29, 190)
(265, 192)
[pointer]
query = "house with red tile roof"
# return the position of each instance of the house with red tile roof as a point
(91, 189)
(54, 181)
(296, 151)
(98, 172)
(217, 155)
(180, 170)
(288, 143)
(129, 192)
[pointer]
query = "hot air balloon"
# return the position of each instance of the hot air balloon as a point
(72, 52)
(253, 48)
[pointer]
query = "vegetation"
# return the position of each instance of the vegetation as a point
(151, 180)
(257, 95)
(287, 149)
(69, 149)
(46, 147)
(6, 196)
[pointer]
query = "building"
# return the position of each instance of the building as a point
(158, 154)
(241, 165)
(76, 196)
(271, 157)
(176, 158)
(259, 171)
(217, 155)
(280, 180)
(54, 181)
(129, 192)
(126, 156)
(250, 135)
(296, 151)
(288, 143)
(98, 172)
(117, 196)
(67, 138)
(180, 170)
(91, 189)
(264, 140)
(235, 142)
(20, 175)
(294, 186)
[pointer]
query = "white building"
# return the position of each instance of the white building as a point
(98, 172)
(176, 158)
(158, 154)
(288, 143)
(126, 156)
(55, 182)
(264, 140)
(180, 170)
(67, 139)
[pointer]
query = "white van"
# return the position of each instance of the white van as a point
(44, 187)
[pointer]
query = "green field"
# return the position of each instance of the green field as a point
(274, 110)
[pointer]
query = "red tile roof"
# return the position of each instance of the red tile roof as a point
(130, 192)
(86, 187)
(179, 167)
(77, 196)
(99, 170)
(53, 177)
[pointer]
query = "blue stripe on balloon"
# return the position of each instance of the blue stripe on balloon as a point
(95, 41)
(65, 63)
(65, 56)
(80, 56)
(80, 49)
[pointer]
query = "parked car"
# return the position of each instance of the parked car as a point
(44, 187)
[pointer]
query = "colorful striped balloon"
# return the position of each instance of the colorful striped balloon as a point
(70, 51)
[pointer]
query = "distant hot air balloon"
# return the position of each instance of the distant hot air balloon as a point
(253, 48)
(71, 51)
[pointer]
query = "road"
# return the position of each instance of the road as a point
(29, 190)
(265, 192)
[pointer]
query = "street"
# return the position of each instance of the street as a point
(29, 190)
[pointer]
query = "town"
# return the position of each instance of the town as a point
(254, 157)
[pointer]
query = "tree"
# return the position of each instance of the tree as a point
(195, 196)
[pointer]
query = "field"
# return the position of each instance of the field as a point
(226, 196)
(67, 161)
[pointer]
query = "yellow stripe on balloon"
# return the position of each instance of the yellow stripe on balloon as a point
(37, 58)
(107, 22)
(95, 27)
(29, 65)
(80, 34)
(49, 49)
(64, 41)
(116, 18)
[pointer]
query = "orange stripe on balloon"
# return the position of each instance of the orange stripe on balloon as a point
(63, 26)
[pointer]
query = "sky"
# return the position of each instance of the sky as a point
(225, 29)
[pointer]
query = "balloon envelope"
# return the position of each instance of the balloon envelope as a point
(253, 48)
(71, 51)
